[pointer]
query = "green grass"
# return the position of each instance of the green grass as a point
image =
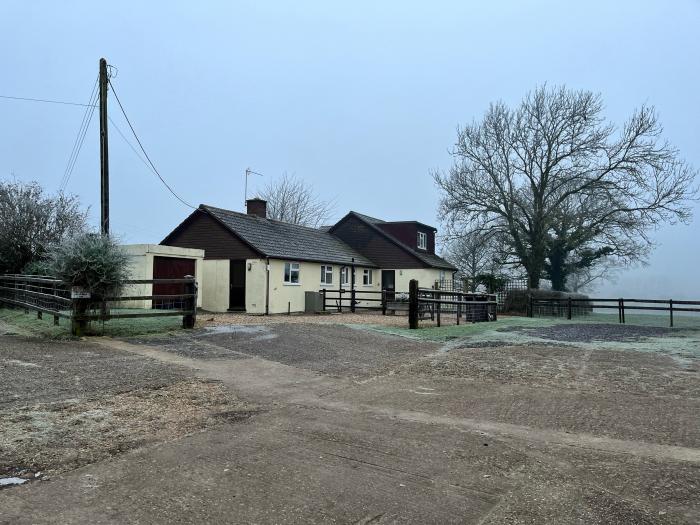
(681, 343)
(16, 321)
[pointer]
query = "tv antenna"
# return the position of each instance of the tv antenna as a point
(248, 172)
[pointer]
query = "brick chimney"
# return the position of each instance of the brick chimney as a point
(257, 207)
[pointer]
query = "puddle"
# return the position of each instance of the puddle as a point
(5, 482)
(234, 329)
(17, 362)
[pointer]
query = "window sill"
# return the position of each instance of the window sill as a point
(291, 284)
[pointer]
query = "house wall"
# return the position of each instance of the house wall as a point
(141, 267)
(284, 295)
(215, 284)
(407, 233)
(373, 245)
(202, 231)
(426, 277)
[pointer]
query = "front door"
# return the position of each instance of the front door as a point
(389, 283)
(236, 299)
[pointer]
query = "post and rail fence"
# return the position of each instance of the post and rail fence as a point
(572, 307)
(54, 297)
(434, 303)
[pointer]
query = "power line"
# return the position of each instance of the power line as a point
(80, 137)
(150, 162)
(27, 99)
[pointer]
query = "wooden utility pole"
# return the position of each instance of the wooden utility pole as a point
(104, 152)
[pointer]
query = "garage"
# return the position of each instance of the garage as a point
(153, 261)
(170, 268)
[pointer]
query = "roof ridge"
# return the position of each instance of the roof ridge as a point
(257, 217)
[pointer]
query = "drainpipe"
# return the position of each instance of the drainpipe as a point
(267, 286)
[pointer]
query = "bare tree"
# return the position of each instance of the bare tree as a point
(292, 200)
(31, 221)
(564, 187)
(475, 254)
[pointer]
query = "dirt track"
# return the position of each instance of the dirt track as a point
(355, 426)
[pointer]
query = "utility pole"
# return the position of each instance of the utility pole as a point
(104, 153)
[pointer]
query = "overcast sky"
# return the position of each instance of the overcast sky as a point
(361, 99)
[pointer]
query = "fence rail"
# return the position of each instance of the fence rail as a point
(54, 297)
(353, 299)
(467, 306)
(571, 307)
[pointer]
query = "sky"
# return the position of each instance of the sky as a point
(359, 99)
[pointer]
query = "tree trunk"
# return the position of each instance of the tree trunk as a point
(557, 269)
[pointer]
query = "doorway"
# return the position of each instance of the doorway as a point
(236, 299)
(389, 283)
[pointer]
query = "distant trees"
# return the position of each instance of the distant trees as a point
(292, 200)
(567, 191)
(31, 221)
(476, 254)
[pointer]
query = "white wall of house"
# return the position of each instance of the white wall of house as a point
(214, 288)
(141, 267)
(426, 277)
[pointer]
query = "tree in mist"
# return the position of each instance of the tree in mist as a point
(31, 221)
(475, 254)
(567, 190)
(293, 200)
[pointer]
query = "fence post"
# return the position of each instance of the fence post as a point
(39, 315)
(323, 292)
(438, 305)
(619, 311)
(384, 302)
(670, 309)
(78, 322)
(459, 308)
(622, 308)
(568, 308)
(352, 300)
(340, 299)
(413, 304)
(529, 308)
(190, 287)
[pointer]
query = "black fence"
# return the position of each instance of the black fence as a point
(353, 299)
(570, 307)
(428, 303)
(51, 296)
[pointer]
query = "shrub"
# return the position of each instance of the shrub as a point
(40, 267)
(94, 262)
(516, 300)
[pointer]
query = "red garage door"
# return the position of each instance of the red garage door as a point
(170, 268)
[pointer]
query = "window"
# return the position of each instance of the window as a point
(326, 274)
(367, 277)
(344, 276)
(291, 273)
(422, 241)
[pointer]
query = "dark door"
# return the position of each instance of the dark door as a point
(236, 299)
(389, 283)
(170, 268)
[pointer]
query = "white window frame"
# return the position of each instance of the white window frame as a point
(289, 269)
(422, 236)
(367, 277)
(326, 273)
(344, 276)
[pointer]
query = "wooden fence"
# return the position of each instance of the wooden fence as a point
(353, 299)
(54, 297)
(470, 307)
(570, 308)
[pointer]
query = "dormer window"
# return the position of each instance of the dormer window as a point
(422, 241)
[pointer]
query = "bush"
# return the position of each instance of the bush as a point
(39, 267)
(94, 262)
(516, 300)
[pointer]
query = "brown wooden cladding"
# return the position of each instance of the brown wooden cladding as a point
(201, 231)
(373, 245)
(407, 233)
